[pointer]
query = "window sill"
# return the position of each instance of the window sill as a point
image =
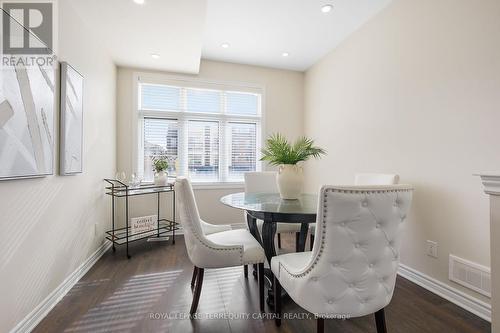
(213, 186)
(218, 186)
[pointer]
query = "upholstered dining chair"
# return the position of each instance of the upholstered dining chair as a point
(221, 249)
(265, 182)
(362, 179)
(351, 271)
(209, 229)
(376, 179)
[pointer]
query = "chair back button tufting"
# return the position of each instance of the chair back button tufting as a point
(353, 267)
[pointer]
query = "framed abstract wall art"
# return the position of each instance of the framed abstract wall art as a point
(71, 122)
(26, 121)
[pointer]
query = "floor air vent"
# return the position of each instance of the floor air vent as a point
(470, 275)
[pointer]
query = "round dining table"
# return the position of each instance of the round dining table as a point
(271, 209)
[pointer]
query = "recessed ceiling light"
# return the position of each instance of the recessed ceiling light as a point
(139, 2)
(155, 56)
(225, 45)
(326, 8)
(285, 54)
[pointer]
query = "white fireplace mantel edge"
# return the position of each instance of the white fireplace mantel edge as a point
(491, 182)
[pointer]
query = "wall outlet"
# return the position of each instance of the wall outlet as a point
(432, 249)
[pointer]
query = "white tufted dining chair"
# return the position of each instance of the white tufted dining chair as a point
(362, 179)
(351, 271)
(213, 228)
(265, 182)
(376, 179)
(209, 229)
(217, 250)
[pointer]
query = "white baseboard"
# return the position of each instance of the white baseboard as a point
(35, 317)
(179, 231)
(467, 302)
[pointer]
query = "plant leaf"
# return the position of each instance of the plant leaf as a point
(279, 151)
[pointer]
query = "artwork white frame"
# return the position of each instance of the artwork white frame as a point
(71, 121)
(27, 121)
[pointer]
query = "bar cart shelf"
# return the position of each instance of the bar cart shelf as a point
(123, 236)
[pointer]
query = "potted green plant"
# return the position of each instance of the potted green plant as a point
(278, 151)
(160, 166)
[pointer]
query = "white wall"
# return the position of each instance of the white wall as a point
(416, 91)
(47, 224)
(495, 260)
(283, 113)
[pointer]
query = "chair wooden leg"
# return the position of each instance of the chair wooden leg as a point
(197, 290)
(380, 321)
(245, 271)
(279, 241)
(320, 325)
(311, 241)
(277, 301)
(261, 286)
(193, 279)
(255, 271)
(297, 240)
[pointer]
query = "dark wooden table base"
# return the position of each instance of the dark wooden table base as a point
(267, 239)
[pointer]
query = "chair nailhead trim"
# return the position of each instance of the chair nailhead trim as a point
(323, 218)
(236, 248)
(202, 242)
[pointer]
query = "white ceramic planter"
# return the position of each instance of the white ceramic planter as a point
(161, 178)
(290, 181)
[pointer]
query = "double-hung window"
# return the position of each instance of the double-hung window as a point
(209, 132)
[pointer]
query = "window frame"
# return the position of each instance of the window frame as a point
(183, 116)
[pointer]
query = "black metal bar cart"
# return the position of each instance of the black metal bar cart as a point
(122, 236)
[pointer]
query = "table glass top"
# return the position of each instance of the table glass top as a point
(272, 203)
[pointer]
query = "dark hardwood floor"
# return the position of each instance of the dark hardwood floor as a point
(151, 293)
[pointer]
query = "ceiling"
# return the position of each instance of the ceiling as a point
(170, 28)
(258, 31)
